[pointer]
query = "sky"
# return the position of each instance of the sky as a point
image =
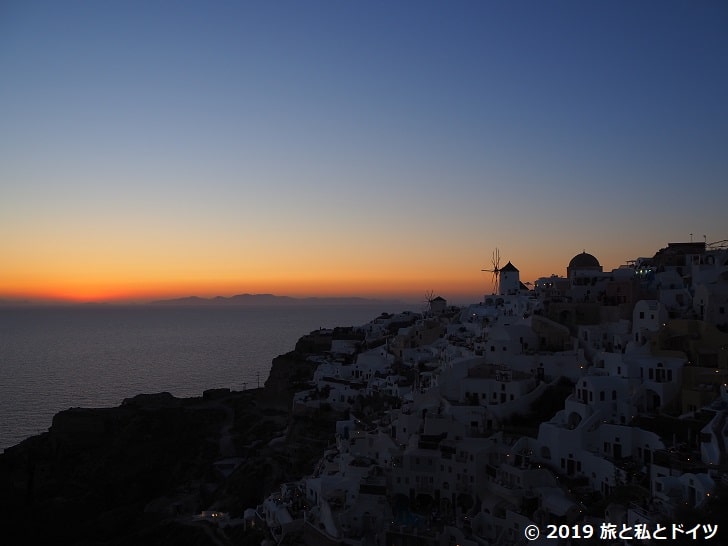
(380, 149)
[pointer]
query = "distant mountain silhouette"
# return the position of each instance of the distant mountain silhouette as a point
(271, 299)
(10, 303)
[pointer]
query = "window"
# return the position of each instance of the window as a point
(642, 314)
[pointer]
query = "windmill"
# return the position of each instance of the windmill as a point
(429, 296)
(495, 262)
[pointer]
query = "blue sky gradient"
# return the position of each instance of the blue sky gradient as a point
(352, 147)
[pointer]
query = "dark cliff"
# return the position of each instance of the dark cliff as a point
(136, 474)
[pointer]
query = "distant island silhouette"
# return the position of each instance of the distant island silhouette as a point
(272, 299)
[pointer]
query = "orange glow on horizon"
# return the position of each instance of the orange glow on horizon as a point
(117, 295)
(100, 291)
(460, 282)
(403, 286)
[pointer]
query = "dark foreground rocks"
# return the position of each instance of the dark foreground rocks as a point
(139, 473)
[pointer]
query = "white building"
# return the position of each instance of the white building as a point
(647, 317)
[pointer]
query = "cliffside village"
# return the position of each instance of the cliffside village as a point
(591, 406)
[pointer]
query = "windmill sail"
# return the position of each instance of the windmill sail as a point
(495, 270)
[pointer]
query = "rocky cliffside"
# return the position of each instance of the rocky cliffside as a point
(137, 474)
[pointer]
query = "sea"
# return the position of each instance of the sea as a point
(55, 358)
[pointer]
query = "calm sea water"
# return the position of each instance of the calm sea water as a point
(55, 358)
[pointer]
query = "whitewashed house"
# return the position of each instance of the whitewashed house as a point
(713, 449)
(660, 380)
(371, 362)
(512, 339)
(711, 302)
(710, 267)
(689, 489)
(647, 317)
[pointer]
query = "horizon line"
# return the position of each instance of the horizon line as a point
(203, 300)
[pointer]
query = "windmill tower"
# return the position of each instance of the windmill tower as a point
(495, 270)
(429, 298)
(510, 281)
(434, 305)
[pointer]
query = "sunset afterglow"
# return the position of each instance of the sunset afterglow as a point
(157, 150)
